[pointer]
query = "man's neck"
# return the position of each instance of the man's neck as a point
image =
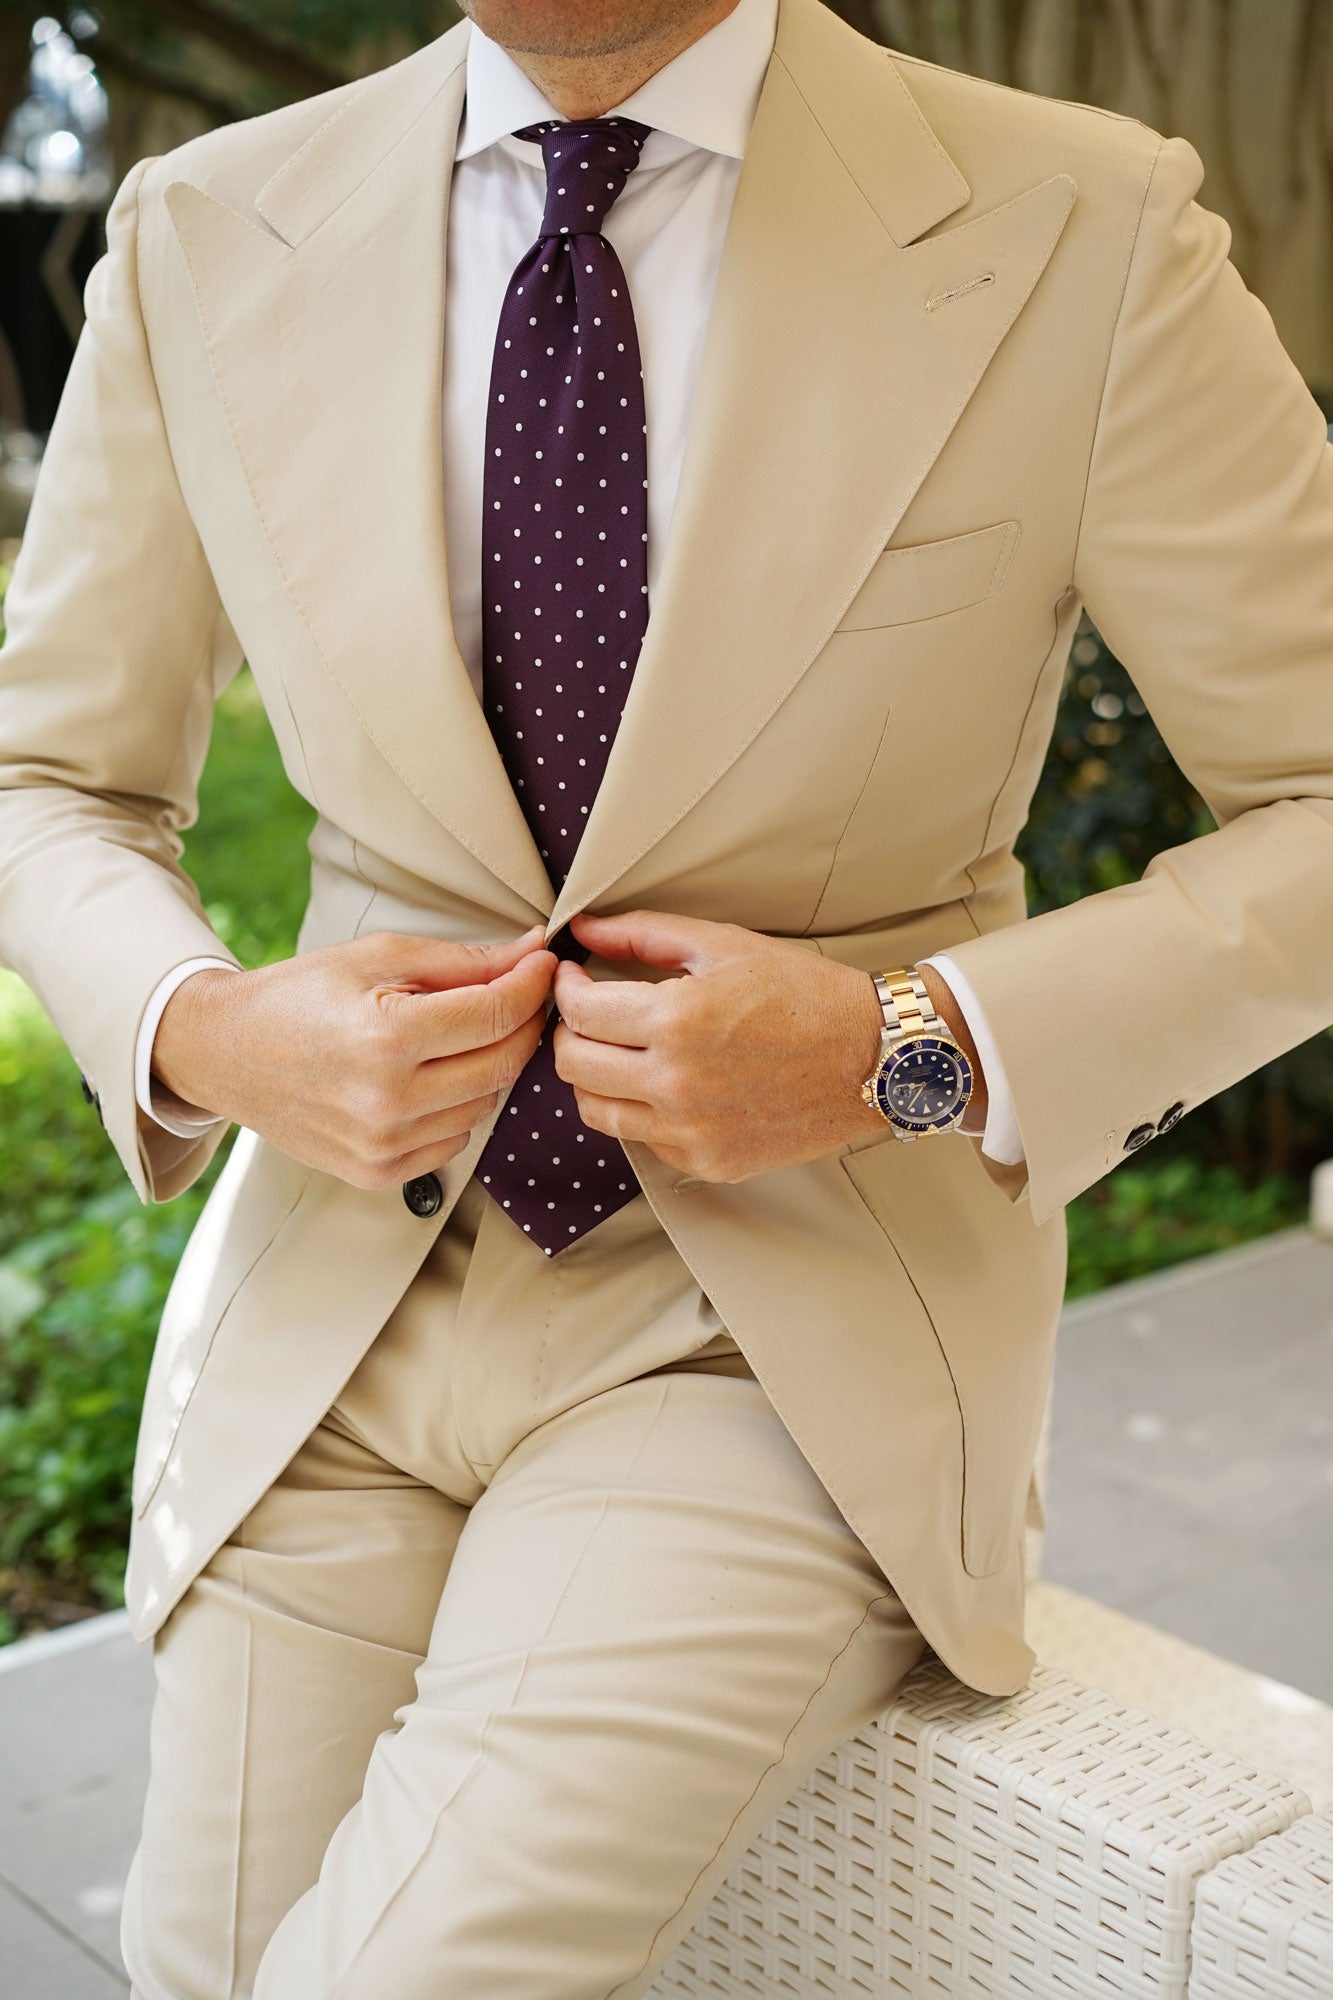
(585, 81)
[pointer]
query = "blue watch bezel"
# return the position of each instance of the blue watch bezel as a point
(909, 1045)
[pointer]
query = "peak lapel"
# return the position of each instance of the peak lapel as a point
(325, 327)
(827, 389)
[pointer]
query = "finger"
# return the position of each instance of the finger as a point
(618, 1117)
(627, 1011)
(452, 1079)
(445, 1121)
(423, 1160)
(654, 936)
(464, 1018)
(605, 1068)
(432, 1138)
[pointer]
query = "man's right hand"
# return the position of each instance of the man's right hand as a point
(371, 1060)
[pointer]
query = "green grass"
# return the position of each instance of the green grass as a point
(84, 1267)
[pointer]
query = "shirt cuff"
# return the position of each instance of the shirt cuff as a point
(172, 1113)
(1002, 1140)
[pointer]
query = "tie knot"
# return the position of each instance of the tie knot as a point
(588, 161)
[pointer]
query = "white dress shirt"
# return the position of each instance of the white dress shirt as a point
(667, 227)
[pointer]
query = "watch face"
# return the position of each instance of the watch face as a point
(924, 1083)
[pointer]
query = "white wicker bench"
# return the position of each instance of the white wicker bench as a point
(1135, 1838)
(1263, 1921)
(1051, 1844)
(1143, 1821)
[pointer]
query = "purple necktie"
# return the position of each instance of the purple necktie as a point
(564, 606)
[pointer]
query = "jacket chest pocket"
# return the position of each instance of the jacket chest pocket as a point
(928, 579)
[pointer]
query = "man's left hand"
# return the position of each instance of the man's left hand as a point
(751, 1057)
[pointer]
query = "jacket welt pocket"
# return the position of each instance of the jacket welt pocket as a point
(926, 579)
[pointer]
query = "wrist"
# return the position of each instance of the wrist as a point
(943, 1000)
(190, 1032)
(864, 1044)
(910, 1060)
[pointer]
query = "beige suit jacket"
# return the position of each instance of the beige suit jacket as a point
(976, 358)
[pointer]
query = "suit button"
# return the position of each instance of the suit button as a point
(1140, 1137)
(1171, 1116)
(424, 1195)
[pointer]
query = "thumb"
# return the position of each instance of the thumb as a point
(491, 960)
(441, 963)
(654, 937)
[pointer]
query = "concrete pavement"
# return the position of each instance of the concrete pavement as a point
(1191, 1466)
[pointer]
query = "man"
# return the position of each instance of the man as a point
(565, 1427)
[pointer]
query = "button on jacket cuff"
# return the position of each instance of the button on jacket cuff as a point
(159, 1104)
(1002, 1140)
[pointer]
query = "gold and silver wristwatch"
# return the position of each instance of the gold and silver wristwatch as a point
(922, 1081)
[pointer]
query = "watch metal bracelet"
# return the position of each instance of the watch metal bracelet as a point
(908, 1008)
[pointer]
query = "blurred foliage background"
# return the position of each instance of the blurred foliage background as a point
(84, 1268)
(1249, 82)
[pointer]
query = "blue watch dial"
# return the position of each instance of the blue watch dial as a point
(924, 1083)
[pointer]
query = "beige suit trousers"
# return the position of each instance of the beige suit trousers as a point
(540, 1625)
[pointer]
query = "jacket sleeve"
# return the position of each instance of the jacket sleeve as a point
(1205, 559)
(116, 646)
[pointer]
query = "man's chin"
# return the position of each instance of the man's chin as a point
(576, 29)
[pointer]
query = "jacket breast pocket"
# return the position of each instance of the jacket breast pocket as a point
(928, 579)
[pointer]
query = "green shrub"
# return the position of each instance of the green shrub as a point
(78, 1304)
(1140, 1218)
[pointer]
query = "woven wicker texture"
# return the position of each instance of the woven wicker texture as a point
(1260, 1721)
(1263, 1921)
(970, 1848)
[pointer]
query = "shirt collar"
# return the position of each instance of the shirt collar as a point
(705, 96)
